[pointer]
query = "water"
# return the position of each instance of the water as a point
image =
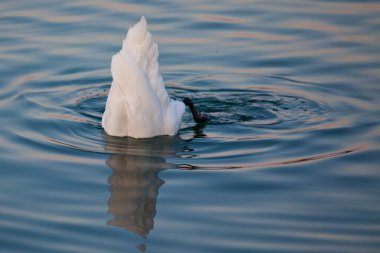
(288, 163)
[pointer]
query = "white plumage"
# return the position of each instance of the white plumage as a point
(138, 104)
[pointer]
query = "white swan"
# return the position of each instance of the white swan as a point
(138, 104)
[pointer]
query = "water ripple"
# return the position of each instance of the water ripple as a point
(264, 119)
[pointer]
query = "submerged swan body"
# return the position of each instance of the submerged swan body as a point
(138, 104)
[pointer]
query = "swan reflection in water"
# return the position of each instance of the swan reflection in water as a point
(134, 183)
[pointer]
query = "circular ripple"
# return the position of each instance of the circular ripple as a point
(250, 127)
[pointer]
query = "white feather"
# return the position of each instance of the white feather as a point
(138, 104)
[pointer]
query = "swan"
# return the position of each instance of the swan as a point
(138, 104)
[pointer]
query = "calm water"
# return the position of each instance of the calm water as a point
(289, 162)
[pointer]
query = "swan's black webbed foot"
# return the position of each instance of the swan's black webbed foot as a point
(198, 117)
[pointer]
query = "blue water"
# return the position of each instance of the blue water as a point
(288, 163)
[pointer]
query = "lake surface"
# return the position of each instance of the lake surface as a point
(290, 161)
